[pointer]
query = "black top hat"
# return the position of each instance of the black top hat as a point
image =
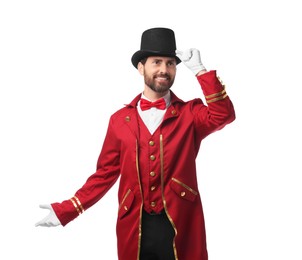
(156, 42)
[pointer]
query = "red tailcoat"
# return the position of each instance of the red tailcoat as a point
(184, 126)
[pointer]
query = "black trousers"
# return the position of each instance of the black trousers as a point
(157, 237)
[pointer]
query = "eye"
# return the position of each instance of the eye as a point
(171, 63)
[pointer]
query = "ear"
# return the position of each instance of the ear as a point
(140, 68)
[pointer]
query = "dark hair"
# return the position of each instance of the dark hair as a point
(143, 61)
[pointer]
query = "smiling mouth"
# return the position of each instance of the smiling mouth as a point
(162, 78)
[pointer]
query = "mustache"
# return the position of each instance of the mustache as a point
(165, 75)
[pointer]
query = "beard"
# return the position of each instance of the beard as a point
(159, 86)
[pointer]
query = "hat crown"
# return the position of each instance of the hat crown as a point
(156, 42)
(159, 40)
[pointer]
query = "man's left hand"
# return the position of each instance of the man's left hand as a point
(191, 58)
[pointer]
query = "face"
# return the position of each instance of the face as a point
(159, 73)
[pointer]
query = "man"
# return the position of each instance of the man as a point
(152, 144)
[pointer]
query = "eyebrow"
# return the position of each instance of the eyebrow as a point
(161, 59)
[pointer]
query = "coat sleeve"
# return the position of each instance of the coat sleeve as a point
(219, 110)
(96, 186)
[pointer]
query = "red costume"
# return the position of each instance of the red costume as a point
(156, 171)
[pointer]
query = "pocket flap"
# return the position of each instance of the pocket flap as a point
(182, 190)
(126, 204)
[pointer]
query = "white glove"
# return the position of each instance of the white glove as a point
(191, 58)
(51, 220)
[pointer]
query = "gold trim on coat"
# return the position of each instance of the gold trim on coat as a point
(77, 204)
(185, 186)
(215, 94)
(216, 99)
(141, 208)
(124, 198)
(162, 192)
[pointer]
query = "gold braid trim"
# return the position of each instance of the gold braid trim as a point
(80, 204)
(75, 205)
(215, 95)
(216, 99)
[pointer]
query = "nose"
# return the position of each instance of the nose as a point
(163, 68)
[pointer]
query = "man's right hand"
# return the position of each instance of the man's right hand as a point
(51, 220)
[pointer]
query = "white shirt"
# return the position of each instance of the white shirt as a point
(153, 117)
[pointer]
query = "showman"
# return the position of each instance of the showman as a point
(152, 144)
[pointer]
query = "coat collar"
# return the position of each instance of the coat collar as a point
(131, 116)
(174, 99)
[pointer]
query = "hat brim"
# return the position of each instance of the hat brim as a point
(139, 55)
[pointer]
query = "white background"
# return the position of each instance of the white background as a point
(65, 68)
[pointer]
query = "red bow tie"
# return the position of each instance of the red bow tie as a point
(160, 104)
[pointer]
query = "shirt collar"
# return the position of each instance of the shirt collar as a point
(166, 97)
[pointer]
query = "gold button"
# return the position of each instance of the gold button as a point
(183, 193)
(152, 174)
(152, 188)
(173, 112)
(153, 204)
(127, 118)
(152, 157)
(125, 208)
(151, 143)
